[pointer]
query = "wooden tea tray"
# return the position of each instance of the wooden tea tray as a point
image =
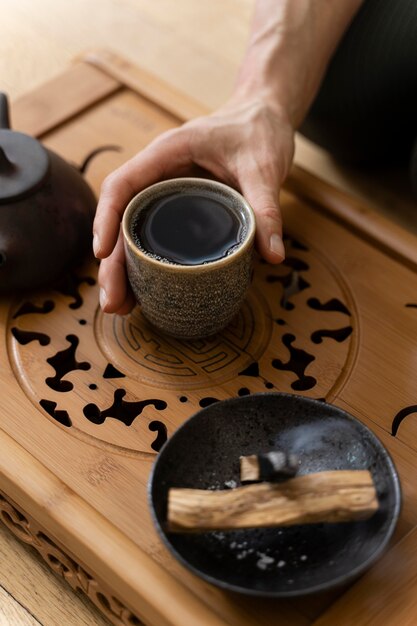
(88, 399)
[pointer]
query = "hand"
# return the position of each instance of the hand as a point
(245, 144)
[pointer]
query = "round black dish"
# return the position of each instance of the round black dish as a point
(275, 562)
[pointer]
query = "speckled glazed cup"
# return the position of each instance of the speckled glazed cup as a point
(190, 301)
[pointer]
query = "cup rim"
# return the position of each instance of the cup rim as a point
(208, 183)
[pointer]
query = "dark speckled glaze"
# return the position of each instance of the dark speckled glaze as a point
(185, 301)
(275, 562)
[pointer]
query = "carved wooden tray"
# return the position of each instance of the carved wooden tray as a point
(88, 399)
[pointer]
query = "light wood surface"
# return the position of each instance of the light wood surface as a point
(38, 40)
(11, 612)
(122, 563)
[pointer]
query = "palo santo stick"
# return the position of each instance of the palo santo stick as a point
(336, 496)
(268, 466)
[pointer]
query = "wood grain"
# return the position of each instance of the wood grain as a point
(338, 496)
(58, 508)
(34, 594)
(13, 613)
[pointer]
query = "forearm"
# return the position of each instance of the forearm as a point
(290, 46)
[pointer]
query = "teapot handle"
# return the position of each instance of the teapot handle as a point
(4, 111)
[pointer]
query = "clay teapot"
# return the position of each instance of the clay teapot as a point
(46, 211)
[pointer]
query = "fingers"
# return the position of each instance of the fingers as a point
(263, 198)
(116, 193)
(115, 292)
(253, 156)
(163, 158)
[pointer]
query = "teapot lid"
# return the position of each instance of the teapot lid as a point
(24, 162)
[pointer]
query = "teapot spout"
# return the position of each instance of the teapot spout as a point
(4, 111)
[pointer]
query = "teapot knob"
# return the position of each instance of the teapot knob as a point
(4, 111)
(6, 166)
(24, 162)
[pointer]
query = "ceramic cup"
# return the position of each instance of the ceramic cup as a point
(190, 301)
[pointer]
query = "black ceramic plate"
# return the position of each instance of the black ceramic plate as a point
(277, 562)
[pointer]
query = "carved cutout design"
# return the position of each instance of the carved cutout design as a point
(291, 242)
(207, 401)
(401, 415)
(70, 284)
(94, 153)
(64, 362)
(251, 370)
(112, 372)
(66, 567)
(26, 336)
(162, 434)
(339, 334)
(121, 410)
(294, 333)
(331, 305)
(297, 363)
(28, 307)
(61, 417)
(292, 282)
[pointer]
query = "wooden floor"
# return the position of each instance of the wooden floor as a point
(195, 46)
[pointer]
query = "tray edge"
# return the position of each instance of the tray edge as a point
(138, 581)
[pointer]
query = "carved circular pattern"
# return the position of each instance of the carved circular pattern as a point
(132, 345)
(116, 382)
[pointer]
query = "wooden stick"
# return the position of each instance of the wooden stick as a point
(268, 466)
(336, 496)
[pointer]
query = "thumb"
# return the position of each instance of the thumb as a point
(263, 198)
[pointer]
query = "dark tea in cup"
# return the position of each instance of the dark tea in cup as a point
(188, 229)
(189, 251)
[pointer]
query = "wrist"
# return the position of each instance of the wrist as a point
(281, 81)
(254, 98)
(290, 46)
